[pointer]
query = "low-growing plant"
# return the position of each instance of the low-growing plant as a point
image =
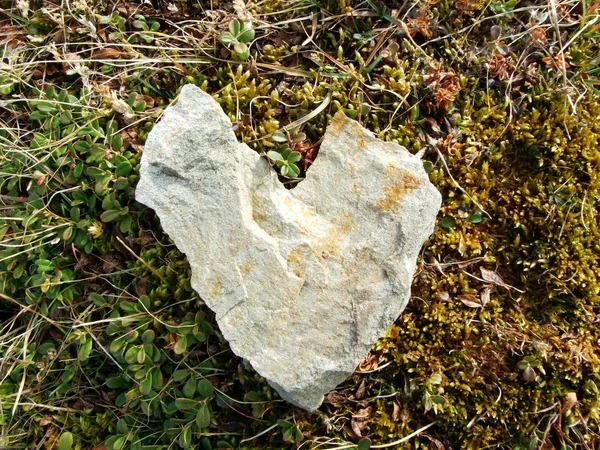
(285, 159)
(286, 154)
(238, 37)
(147, 26)
(528, 366)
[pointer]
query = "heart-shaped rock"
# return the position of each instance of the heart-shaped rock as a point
(303, 281)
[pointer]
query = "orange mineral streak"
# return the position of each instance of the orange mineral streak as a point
(216, 289)
(337, 124)
(340, 122)
(399, 183)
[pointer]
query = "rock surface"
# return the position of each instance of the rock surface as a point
(303, 281)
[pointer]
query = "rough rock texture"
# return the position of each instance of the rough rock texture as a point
(303, 281)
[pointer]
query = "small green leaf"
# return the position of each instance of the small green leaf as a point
(298, 137)
(189, 389)
(117, 444)
(203, 417)
(200, 336)
(81, 146)
(67, 233)
(110, 215)
(294, 157)
(428, 166)
(227, 38)
(38, 115)
(85, 349)
(476, 218)
(274, 156)
(116, 382)
(141, 356)
(63, 96)
(136, 443)
(205, 444)
(293, 171)
(111, 127)
(447, 222)
(19, 270)
(68, 374)
(364, 444)
(43, 348)
(240, 48)
(157, 378)
(146, 37)
(284, 424)
(131, 354)
(438, 400)
(180, 375)
(185, 438)
(65, 441)
(97, 299)
(247, 35)
(289, 434)
(95, 172)
(121, 427)
(146, 386)
(350, 113)
(3, 231)
(205, 388)
(279, 137)
(181, 345)
(121, 183)
(66, 118)
(242, 56)
(116, 142)
(140, 106)
(140, 373)
(6, 89)
(235, 27)
(185, 404)
(47, 108)
(284, 170)
(148, 336)
(131, 99)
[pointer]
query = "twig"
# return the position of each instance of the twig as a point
(405, 439)
(259, 434)
(33, 311)
(459, 186)
(390, 444)
(140, 259)
(310, 115)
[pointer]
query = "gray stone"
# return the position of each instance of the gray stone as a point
(304, 281)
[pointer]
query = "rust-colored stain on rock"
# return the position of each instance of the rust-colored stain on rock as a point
(217, 289)
(337, 124)
(399, 182)
(297, 260)
(246, 268)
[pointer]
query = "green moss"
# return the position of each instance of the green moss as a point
(535, 177)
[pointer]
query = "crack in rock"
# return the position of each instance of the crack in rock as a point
(302, 282)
